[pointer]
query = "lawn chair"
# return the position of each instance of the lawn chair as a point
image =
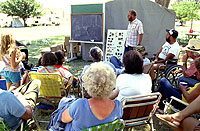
(169, 108)
(138, 110)
(169, 105)
(116, 125)
(52, 86)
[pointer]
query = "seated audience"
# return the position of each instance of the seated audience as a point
(190, 74)
(170, 50)
(182, 93)
(99, 80)
(133, 81)
(19, 103)
(183, 118)
(96, 54)
(118, 64)
(37, 66)
(49, 60)
(61, 58)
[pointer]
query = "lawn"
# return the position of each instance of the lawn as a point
(75, 66)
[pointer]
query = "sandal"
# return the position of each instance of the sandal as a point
(173, 123)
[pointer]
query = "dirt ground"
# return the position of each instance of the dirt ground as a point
(37, 32)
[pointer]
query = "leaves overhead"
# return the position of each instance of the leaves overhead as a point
(22, 8)
(187, 10)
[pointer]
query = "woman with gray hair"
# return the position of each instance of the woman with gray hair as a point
(99, 80)
(96, 54)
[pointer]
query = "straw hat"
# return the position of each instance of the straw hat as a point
(193, 45)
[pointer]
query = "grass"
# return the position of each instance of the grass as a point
(38, 45)
(75, 66)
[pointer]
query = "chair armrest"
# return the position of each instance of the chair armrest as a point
(178, 100)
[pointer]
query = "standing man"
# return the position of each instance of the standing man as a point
(134, 32)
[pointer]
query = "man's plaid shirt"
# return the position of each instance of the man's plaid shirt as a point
(134, 29)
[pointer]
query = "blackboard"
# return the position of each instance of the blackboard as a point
(87, 27)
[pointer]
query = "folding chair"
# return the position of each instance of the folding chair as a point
(138, 110)
(116, 125)
(52, 86)
(167, 110)
(169, 105)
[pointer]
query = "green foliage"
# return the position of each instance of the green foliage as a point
(22, 8)
(187, 10)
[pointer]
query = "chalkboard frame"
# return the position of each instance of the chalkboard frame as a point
(89, 14)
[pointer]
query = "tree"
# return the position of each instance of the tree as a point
(187, 10)
(22, 8)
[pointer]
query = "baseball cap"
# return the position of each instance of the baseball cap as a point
(173, 33)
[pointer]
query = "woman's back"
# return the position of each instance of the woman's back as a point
(133, 84)
(85, 114)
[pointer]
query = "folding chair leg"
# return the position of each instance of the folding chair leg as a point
(36, 121)
(151, 124)
(22, 126)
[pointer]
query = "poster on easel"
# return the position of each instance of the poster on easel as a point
(115, 44)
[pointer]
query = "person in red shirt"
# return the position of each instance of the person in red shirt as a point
(61, 58)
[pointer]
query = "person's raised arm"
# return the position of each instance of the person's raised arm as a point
(13, 57)
(185, 58)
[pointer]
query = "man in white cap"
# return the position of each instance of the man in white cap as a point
(170, 50)
(190, 74)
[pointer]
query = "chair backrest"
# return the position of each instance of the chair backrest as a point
(116, 125)
(52, 84)
(147, 68)
(139, 109)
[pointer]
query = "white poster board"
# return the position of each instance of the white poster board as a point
(115, 44)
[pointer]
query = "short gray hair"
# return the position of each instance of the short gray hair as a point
(99, 80)
(96, 53)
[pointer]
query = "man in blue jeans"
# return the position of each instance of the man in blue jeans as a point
(182, 93)
(118, 64)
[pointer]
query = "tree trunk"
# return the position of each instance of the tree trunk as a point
(191, 24)
(164, 3)
(24, 19)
